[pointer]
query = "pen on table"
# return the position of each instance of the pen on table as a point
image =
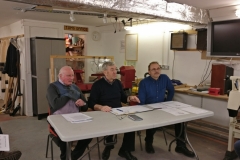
(119, 110)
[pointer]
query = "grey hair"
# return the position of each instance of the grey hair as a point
(106, 64)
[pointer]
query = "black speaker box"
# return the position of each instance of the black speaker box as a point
(179, 41)
(202, 39)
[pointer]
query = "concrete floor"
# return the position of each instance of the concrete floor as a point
(29, 135)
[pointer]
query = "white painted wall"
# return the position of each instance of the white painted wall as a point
(189, 67)
(12, 29)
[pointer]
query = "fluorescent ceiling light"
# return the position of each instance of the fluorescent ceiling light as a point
(237, 13)
(105, 18)
(69, 10)
(72, 18)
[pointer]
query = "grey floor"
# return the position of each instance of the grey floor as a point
(30, 136)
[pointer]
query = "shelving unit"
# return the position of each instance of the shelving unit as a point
(75, 47)
(204, 52)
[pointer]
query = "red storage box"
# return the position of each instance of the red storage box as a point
(214, 91)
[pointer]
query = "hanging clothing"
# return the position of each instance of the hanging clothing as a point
(10, 66)
(3, 52)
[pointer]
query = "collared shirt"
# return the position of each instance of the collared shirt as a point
(108, 80)
(61, 82)
(153, 91)
(69, 107)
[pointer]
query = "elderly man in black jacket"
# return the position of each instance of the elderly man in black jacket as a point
(107, 93)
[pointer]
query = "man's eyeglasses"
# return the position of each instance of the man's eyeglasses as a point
(156, 69)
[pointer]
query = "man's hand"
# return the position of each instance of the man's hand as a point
(106, 108)
(80, 103)
(134, 99)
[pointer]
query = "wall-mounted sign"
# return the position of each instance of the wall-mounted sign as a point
(75, 28)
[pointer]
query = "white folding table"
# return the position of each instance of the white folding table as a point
(105, 123)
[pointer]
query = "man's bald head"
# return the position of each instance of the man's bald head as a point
(66, 75)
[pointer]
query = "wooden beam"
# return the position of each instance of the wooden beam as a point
(190, 49)
(187, 31)
(83, 57)
(19, 36)
(52, 69)
(52, 57)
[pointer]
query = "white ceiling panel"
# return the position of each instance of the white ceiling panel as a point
(208, 4)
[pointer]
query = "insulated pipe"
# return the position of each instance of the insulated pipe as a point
(146, 8)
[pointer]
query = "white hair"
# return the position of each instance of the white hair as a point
(63, 69)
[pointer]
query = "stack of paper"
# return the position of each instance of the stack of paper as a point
(129, 110)
(157, 106)
(175, 111)
(4, 142)
(176, 108)
(194, 110)
(77, 117)
(175, 104)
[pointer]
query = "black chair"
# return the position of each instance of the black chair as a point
(162, 128)
(139, 132)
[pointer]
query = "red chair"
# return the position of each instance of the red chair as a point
(54, 137)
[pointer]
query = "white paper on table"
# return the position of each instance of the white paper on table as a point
(130, 109)
(157, 106)
(81, 121)
(138, 108)
(77, 117)
(119, 111)
(194, 110)
(175, 104)
(174, 111)
(4, 142)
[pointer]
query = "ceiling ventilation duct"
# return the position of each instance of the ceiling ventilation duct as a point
(151, 9)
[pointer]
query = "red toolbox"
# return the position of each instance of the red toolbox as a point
(214, 91)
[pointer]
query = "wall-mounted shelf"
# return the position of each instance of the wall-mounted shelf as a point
(204, 56)
(73, 46)
(76, 46)
(189, 50)
(204, 52)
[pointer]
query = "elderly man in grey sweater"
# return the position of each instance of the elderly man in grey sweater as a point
(65, 97)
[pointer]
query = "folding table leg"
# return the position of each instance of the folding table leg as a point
(187, 140)
(68, 150)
